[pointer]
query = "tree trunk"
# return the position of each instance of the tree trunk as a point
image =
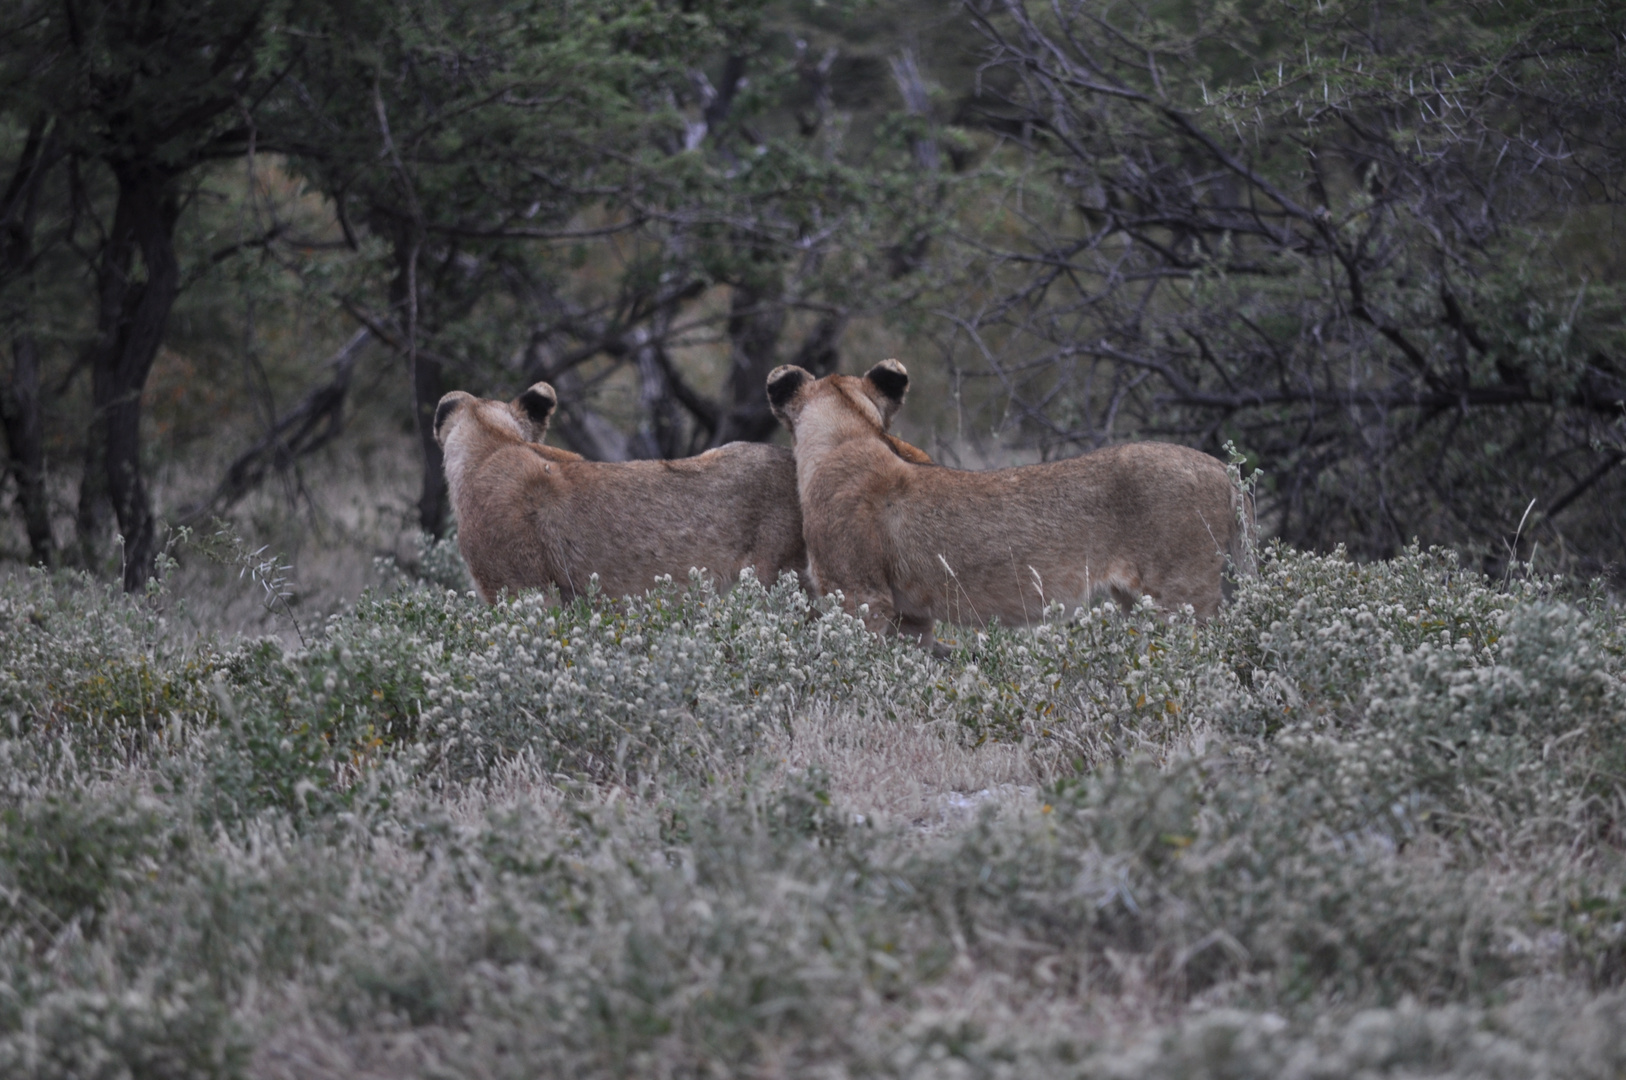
(582, 429)
(660, 434)
(134, 311)
(25, 440)
(405, 302)
(756, 319)
(426, 391)
(819, 351)
(20, 399)
(90, 521)
(917, 100)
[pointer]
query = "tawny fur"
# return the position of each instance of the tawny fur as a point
(918, 543)
(530, 515)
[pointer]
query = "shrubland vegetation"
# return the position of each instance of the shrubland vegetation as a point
(1365, 822)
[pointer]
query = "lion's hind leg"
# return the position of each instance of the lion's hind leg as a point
(921, 629)
(1123, 583)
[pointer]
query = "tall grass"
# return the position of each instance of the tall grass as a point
(1366, 822)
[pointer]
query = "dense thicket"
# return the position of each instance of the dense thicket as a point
(141, 97)
(508, 191)
(1375, 245)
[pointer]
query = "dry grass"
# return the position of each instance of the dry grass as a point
(906, 773)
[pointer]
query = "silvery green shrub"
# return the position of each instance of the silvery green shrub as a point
(1359, 811)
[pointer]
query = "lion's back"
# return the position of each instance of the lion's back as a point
(1130, 518)
(723, 510)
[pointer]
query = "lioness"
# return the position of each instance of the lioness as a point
(918, 543)
(531, 515)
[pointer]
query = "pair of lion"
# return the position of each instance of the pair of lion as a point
(853, 509)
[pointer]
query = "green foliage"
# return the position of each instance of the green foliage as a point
(63, 858)
(76, 654)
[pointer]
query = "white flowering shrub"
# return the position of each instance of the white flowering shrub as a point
(1408, 694)
(433, 561)
(604, 687)
(1307, 632)
(1366, 822)
(77, 655)
(94, 1035)
(609, 689)
(1519, 738)
(1411, 1039)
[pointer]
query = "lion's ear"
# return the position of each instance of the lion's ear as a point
(538, 403)
(891, 381)
(784, 383)
(443, 412)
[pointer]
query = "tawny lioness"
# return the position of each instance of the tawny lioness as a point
(917, 543)
(529, 515)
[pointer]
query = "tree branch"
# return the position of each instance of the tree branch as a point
(315, 422)
(1562, 503)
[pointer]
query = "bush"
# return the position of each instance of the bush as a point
(1367, 812)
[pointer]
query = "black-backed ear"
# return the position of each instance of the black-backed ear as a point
(538, 403)
(891, 379)
(784, 383)
(443, 412)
